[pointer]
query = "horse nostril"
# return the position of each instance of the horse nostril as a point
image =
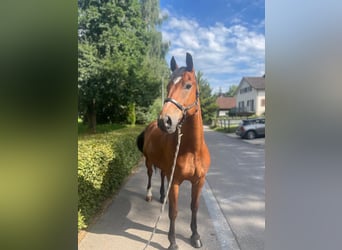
(165, 123)
(168, 122)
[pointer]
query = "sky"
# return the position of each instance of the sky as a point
(226, 38)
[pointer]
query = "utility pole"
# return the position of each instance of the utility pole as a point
(162, 97)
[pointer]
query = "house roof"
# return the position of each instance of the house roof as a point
(255, 82)
(226, 102)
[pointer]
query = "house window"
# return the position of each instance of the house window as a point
(241, 106)
(246, 89)
(250, 105)
(262, 102)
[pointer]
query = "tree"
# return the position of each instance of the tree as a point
(88, 65)
(208, 101)
(155, 50)
(145, 115)
(220, 93)
(231, 90)
(117, 70)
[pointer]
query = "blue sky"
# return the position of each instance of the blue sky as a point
(225, 37)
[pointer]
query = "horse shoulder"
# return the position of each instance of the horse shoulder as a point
(156, 145)
(149, 138)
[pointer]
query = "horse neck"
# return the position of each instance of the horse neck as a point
(192, 130)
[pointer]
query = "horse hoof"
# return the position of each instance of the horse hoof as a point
(148, 198)
(196, 243)
(173, 247)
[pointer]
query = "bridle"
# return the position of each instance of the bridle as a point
(182, 108)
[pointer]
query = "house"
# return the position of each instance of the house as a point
(250, 96)
(224, 105)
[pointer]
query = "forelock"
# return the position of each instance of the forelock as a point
(177, 74)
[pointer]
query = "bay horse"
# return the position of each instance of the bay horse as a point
(158, 144)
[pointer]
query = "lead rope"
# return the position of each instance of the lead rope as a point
(169, 185)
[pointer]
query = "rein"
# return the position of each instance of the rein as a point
(169, 185)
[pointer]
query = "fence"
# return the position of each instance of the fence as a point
(226, 123)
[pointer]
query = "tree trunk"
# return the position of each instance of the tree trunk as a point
(91, 115)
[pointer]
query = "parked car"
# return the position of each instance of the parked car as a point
(251, 128)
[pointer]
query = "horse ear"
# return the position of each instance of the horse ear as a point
(189, 63)
(173, 64)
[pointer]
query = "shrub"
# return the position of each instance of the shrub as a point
(147, 115)
(131, 116)
(104, 160)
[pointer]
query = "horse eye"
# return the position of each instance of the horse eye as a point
(188, 86)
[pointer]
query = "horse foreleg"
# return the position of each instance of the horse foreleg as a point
(195, 198)
(162, 190)
(149, 187)
(173, 210)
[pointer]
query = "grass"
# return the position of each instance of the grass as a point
(100, 129)
(231, 129)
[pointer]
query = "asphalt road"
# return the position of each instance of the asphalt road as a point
(236, 178)
(231, 214)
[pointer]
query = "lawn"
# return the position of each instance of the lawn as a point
(231, 129)
(101, 128)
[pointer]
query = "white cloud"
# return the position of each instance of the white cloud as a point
(164, 13)
(223, 53)
(189, 40)
(182, 24)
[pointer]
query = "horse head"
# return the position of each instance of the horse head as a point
(182, 96)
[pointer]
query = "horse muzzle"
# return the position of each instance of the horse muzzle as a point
(167, 124)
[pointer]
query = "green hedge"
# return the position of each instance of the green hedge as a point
(104, 160)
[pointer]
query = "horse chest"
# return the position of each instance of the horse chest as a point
(189, 166)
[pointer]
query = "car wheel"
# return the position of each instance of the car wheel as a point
(250, 135)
